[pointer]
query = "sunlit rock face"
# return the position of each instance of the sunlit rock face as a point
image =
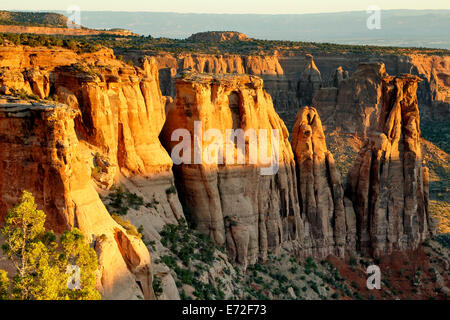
(121, 113)
(109, 132)
(329, 226)
(239, 205)
(118, 113)
(41, 154)
(388, 183)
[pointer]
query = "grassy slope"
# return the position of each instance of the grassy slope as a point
(436, 154)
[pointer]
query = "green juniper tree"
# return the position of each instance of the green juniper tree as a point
(40, 261)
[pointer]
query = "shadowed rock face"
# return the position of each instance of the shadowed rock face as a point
(336, 77)
(310, 81)
(320, 190)
(355, 105)
(388, 184)
(235, 204)
(41, 154)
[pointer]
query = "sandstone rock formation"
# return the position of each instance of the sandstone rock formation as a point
(64, 31)
(118, 115)
(218, 36)
(310, 81)
(41, 154)
(329, 226)
(122, 112)
(355, 106)
(336, 77)
(388, 183)
(48, 23)
(234, 203)
(108, 133)
(282, 72)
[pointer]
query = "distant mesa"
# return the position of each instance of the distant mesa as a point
(48, 23)
(219, 36)
(35, 19)
(122, 31)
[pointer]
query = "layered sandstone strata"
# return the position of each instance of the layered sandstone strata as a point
(282, 72)
(388, 183)
(353, 108)
(64, 31)
(329, 226)
(236, 204)
(121, 114)
(41, 154)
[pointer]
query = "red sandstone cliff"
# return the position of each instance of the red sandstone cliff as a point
(235, 204)
(287, 78)
(41, 154)
(118, 112)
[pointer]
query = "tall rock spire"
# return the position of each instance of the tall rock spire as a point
(388, 183)
(310, 81)
(320, 188)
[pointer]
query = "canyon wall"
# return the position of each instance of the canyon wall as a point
(122, 112)
(63, 31)
(354, 107)
(287, 75)
(41, 154)
(118, 115)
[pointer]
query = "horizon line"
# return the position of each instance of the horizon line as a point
(214, 13)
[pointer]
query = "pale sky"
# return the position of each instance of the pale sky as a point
(225, 6)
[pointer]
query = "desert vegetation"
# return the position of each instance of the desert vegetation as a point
(41, 258)
(248, 47)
